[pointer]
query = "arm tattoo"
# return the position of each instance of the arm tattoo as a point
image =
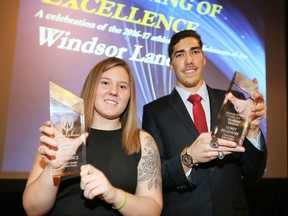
(150, 169)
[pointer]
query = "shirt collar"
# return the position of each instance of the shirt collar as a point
(203, 92)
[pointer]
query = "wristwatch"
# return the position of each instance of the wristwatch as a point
(186, 159)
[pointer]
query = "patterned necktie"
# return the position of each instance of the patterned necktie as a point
(198, 113)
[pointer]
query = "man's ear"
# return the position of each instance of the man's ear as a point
(170, 66)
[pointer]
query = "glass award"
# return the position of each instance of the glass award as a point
(67, 118)
(234, 117)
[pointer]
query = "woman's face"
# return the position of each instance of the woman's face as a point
(112, 94)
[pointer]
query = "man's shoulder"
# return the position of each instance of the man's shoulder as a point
(157, 102)
(216, 90)
(221, 92)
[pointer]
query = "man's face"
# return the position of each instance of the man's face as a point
(188, 62)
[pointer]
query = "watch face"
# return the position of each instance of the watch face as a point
(187, 160)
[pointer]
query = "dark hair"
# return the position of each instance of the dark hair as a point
(179, 36)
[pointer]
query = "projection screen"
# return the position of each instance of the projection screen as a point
(61, 40)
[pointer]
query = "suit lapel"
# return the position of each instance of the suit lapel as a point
(216, 98)
(180, 109)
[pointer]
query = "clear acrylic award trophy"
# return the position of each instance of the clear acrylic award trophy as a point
(67, 117)
(233, 119)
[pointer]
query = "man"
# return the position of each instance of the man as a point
(195, 181)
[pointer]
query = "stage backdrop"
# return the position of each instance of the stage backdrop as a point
(61, 40)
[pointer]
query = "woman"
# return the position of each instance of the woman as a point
(123, 171)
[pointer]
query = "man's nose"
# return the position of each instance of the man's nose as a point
(189, 58)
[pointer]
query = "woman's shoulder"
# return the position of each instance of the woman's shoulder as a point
(147, 140)
(144, 134)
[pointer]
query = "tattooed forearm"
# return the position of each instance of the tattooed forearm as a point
(149, 169)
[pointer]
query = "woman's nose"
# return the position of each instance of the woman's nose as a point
(114, 90)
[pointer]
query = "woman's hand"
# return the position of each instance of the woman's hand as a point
(55, 148)
(95, 184)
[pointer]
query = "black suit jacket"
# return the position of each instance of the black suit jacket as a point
(213, 188)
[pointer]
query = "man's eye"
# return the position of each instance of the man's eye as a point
(178, 55)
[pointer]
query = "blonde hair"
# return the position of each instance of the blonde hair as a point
(128, 119)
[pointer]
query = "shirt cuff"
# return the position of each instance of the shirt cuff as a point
(256, 142)
(188, 173)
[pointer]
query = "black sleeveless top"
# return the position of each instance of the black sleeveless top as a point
(105, 152)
